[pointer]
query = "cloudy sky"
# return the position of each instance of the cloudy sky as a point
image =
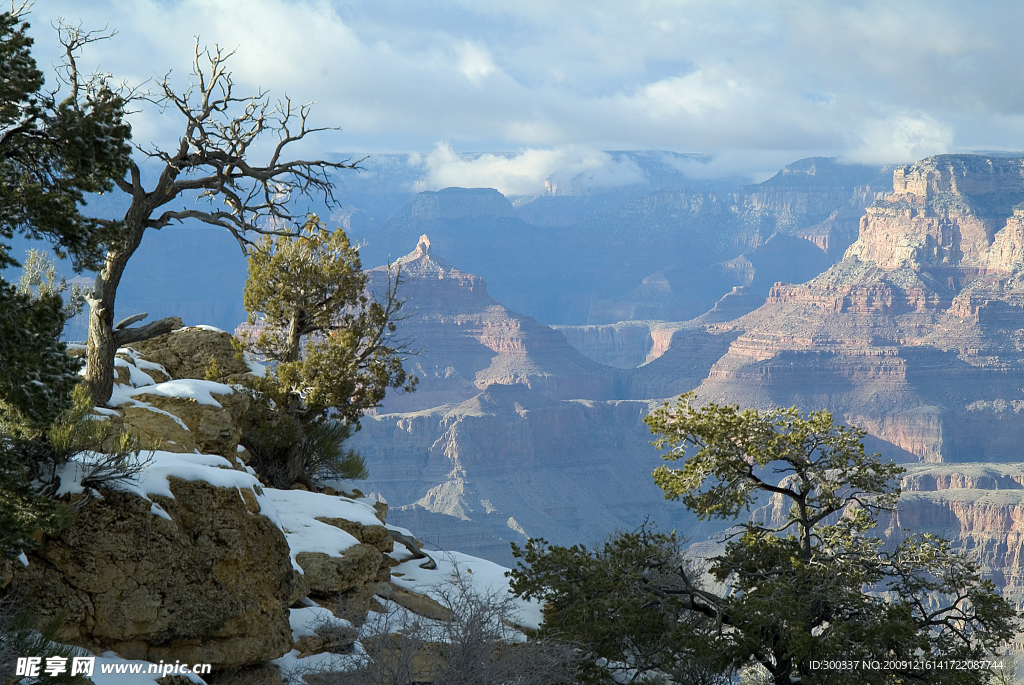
(759, 83)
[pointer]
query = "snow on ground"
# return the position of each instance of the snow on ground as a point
(255, 368)
(305, 620)
(484, 578)
(293, 666)
(397, 619)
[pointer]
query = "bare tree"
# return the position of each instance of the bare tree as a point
(211, 164)
(477, 645)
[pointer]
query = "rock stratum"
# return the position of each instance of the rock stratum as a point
(917, 334)
(466, 341)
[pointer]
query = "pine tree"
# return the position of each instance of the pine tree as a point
(332, 346)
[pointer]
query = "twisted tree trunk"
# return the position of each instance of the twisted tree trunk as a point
(104, 338)
(99, 368)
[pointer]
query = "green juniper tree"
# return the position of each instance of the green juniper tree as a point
(52, 152)
(332, 346)
(810, 583)
(611, 603)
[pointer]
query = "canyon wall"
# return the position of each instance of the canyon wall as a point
(916, 334)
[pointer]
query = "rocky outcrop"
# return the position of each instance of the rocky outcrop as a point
(980, 507)
(944, 212)
(204, 577)
(193, 560)
(187, 353)
(327, 574)
(155, 413)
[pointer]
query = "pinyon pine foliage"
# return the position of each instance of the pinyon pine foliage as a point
(332, 347)
(815, 585)
(54, 148)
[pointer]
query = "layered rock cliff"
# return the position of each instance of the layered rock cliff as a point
(511, 463)
(466, 341)
(916, 334)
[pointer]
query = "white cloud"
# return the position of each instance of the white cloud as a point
(903, 137)
(747, 78)
(475, 63)
(529, 172)
(697, 94)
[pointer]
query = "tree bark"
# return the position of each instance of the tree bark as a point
(102, 345)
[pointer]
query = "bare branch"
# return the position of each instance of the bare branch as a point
(151, 330)
(74, 38)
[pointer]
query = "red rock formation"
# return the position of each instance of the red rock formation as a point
(917, 332)
(468, 341)
(980, 507)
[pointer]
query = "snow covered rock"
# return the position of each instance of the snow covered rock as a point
(185, 570)
(186, 353)
(378, 536)
(212, 412)
(153, 428)
(325, 574)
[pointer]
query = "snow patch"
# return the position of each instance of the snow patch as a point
(306, 620)
(298, 511)
(255, 368)
(163, 465)
(136, 377)
(485, 578)
(327, 662)
(189, 388)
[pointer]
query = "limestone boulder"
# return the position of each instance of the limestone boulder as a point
(328, 638)
(208, 584)
(378, 536)
(155, 429)
(186, 353)
(358, 565)
(419, 604)
(215, 429)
